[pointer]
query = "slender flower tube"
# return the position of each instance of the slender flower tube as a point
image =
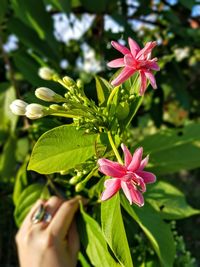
(130, 177)
(18, 107)
(35, 111)
(135, 60)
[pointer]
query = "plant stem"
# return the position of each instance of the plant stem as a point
(51, 184)
(87, 178)
(114, 148)
(114, 91)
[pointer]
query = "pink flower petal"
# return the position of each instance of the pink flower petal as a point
(126, 191)
(124, 50)
(137, 197)
(127, 155)
(145, 53)
(151, 78)
(136, 160)
(143, 83)
(151, 64)
(123, 76)
(111, 168)
(112, 187)
(134, 47)
(144, 163)
(130, 61)
(116, 63)
(148, 177)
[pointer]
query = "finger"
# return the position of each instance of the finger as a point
(61, 222)
(73, 240)
(52, 205)
(28, 219)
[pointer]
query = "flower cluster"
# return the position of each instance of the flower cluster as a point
(131, 176)
(135, 60)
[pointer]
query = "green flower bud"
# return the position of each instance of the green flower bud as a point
(69, 82)
(79, 187)
(74, 180)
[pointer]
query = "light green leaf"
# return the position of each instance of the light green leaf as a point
(169, 201)
(8, 120)
(61, 148)
(114, 232)
(173, 150)
(103, 89)
(94, 242)
(157, 231)
(26, 200)
(20, 182)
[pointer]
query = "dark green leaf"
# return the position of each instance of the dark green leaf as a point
(103, 88)
(157, 231)
(169, 201)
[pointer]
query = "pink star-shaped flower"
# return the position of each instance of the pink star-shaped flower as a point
(130, 177)
(134, 60)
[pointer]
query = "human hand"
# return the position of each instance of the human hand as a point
(53, 243)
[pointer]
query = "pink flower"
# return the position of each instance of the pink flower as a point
(130, 177)
(135, 59)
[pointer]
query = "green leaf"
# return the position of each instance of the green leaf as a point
(157, 231)
(61, 148)
(8, 120)
(26, 200)
(114, 232)
(103, 88)
(21, 182)
(94, 242)
(188, 4)
(3, 9)
(62, 5)
(8, 160)
(82, 260)
(29, 38)
(169, 201)
(173, 150)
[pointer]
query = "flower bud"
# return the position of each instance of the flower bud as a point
(79, 83)
(45, 94)
(46, 73)
(18, 107)
(79, 187)
(34, 111)
(75, 179)
(69, 82)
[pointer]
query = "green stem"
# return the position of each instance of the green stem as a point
(51, 184)
(87, 178)
(66, 115)
(114, 91)
(114, 148)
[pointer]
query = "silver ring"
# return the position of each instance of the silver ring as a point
(47, 217)
(38, 215)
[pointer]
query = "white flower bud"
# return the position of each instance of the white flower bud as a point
(34, 111)
(45, 94)
(18, 107)
(46, 73)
